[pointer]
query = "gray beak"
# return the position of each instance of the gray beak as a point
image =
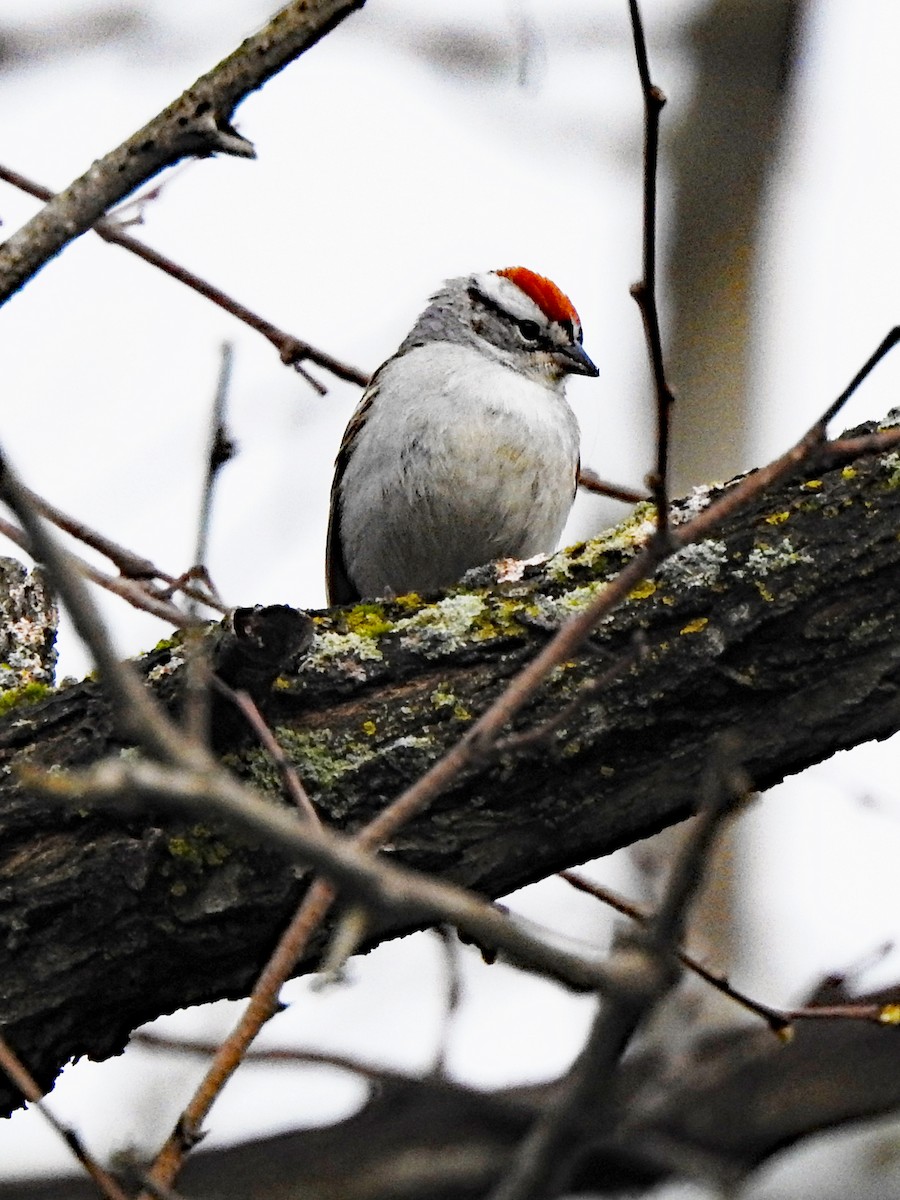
(575, 361)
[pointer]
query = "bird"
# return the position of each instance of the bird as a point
(463, 448)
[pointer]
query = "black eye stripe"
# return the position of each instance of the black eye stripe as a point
(530, 330)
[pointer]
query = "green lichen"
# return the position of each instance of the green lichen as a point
(765, 560)
(449, 622)
(367, 620)
(442, 698)
(597, 555)
(333, 647)
(23, 696)
(501, 617)
(320, 759)
(411, 600)
(198, 848)
(323, 760)
(556, 609)
(168, 643)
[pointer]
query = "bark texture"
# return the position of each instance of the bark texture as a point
(783, 627)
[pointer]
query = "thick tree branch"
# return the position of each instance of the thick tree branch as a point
(783, 624)
(197, 123)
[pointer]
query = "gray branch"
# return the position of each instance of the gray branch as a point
(197, 123)
(782, 627)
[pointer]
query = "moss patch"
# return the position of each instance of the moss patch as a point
(21, 697)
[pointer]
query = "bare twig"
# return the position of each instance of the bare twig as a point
(590, 481)
(454, 989)
(198, 123)
(137, 594)
(479, 743)
(290, 780)
(22, 1078)
(219, 452)
(132, 567)
(644, 291)
(293, 351)
(261, 1006)
(316, 1058)
(779, 1020)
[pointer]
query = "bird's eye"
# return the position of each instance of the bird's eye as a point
(530, 330)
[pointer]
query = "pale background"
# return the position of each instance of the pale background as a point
(379, 175)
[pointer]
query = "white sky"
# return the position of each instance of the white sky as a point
(376, 178)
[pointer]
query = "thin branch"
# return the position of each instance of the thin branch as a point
(24, 1081)
(293, 351)
(220, 449)
(454, 990)
(290, 780)
(219, 452)
(644, 291)
(315, 1058)
(590, 481)
(130, 565)
(479, 743)
(136, 594)
(261, 1006)
(890, 341)
(779, 1020)
(198, 123)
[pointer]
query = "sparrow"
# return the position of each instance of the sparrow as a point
(463, 448)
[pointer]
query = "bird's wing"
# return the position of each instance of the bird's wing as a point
(340, 588)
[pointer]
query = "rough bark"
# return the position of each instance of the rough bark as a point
(784, 628)
(198, 123)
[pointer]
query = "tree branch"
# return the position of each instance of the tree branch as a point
(783, 624)
(197, 123)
